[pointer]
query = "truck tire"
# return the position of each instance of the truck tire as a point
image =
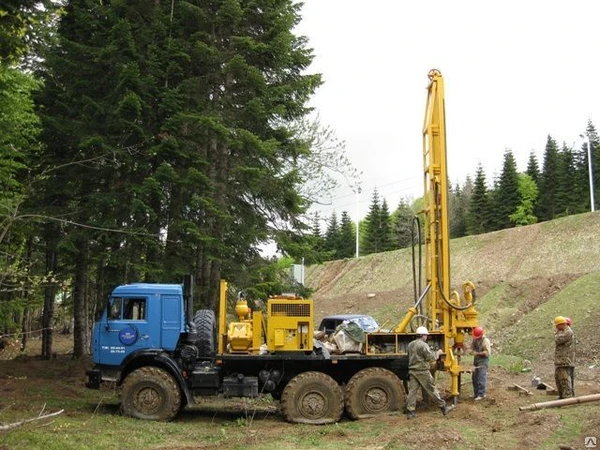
(373, 391)
(313, 398)
(150, 393)
(206, 328)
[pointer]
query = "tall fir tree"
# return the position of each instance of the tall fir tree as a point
(567, 199)
(332, 237)
(402, 220)
(533, 169)
(478, 214)
(347, 239)
(546, 207)
(458, 205)
(506, 197)
(169, 126)
(370, 242)
(385, 228)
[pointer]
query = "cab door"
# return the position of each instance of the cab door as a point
(125, 328)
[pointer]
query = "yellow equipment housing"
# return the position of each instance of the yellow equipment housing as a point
(289, 324)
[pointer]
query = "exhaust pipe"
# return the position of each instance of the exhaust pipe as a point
(188, 299)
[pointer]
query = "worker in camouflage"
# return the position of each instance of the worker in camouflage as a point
(564, 357)
(420, 355)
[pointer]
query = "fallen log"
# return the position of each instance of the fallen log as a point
(521, 389)
(562, 402)
(10, 426)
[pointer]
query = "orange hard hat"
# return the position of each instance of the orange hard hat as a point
(477, 332)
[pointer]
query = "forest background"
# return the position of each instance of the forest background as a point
(142, 141)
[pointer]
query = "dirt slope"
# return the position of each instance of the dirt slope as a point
(516, 272)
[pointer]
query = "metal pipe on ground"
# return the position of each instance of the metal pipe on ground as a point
(562, 402)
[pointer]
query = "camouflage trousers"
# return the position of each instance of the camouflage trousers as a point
(563, 375)
(423, 380)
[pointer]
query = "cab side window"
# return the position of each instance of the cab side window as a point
(134, 309)
(127, 309)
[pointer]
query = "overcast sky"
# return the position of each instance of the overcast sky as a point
(514, 72)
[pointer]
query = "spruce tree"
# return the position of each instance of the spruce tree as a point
(567, 199)
(458, 204)
(402, 220)
(372, 225)
(332, 237)
(347, 239)
(533, 169)
(385, 228)
(506, 193)
(546, 207)
(169, 128)
(478, 214)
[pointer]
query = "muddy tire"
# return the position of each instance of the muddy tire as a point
(373, 391)
(206, 328)
(314, 398)
(150, 393)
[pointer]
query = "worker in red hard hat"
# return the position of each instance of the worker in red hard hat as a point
(481, 348)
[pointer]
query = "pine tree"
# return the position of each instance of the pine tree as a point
(170, 123)
(458, 204)
(385, 228)
(533, 169)
(567, 199)
(546, 207)
(506, 193)
(478, 215)
(332, 237)
(347, 243)
(402, 223)
(372, 223)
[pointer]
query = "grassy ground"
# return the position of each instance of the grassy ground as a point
(91, 419)
(525, 277)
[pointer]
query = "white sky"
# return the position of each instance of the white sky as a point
(514, 72)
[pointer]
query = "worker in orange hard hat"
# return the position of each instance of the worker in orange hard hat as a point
(564, 357)
(569, 323)
(481, 348)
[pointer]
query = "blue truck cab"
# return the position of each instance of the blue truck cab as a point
(138, 317)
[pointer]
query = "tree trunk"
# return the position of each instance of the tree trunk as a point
(49, 293)
(80, 313)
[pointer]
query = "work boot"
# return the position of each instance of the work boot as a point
(446, 409)
(410, 415)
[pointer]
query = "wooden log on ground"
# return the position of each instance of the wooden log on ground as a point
(521, 389)
(562, 402)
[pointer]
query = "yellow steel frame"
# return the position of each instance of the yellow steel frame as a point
(443, 308)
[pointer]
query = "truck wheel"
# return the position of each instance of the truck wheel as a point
(373, 391)
(150, 393)
(314, 398)
(206, 328)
